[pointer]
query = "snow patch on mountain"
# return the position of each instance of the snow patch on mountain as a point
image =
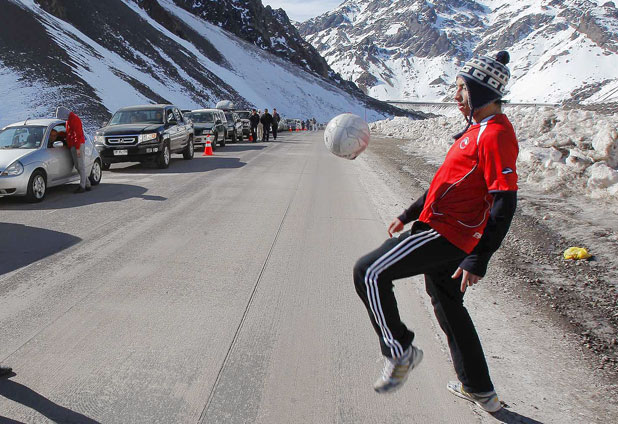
(561, 50)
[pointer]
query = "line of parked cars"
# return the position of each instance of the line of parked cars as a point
(34, 157)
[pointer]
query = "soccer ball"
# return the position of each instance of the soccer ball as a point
(346, 135)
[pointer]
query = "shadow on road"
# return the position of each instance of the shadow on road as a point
(22, 245)
(241, 147)
(62, 197)
(28, 397)
(178, 166)
(510, 417)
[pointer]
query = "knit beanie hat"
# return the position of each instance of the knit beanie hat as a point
(62, 113)
(485, 79)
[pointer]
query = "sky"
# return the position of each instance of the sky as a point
(301, 10)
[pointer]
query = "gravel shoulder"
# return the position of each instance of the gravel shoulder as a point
(548, 326)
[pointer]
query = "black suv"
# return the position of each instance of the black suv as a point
(145, 133)
(234, 126)
(209, 123)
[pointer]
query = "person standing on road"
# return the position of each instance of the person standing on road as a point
(75, 140)
(459, 223)
(260, 127)
(276, 120)
(254, 120)
(267, 121)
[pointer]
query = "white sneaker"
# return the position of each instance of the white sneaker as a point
(486, 400)
(396, 370)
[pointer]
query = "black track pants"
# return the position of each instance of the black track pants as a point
(275, 128)
(422, 251)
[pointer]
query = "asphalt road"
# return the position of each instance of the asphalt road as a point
(216, 291)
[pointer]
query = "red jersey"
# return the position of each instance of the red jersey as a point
(75, 132)
(480, 162)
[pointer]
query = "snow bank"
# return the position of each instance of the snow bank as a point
(562, 151)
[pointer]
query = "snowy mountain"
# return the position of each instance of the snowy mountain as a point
(561, 50)
(96, 56)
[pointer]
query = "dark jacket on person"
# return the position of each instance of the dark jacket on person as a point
(254, 119)
(266, 119)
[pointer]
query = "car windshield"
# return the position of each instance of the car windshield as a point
(145, 116)
(202, 117)
(229, 117)
(244, 114)
(25, 137)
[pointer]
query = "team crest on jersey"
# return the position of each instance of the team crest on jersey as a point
(464, 143)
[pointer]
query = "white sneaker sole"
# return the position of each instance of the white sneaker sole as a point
(482, 406)
(390, 389)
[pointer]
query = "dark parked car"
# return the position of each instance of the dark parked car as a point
(145, 133)
(244, 118)
(234, 127)
(209, 122)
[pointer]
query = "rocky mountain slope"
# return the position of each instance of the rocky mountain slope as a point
(96, 56)
(561, 50)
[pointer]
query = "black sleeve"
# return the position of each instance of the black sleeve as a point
(414, 211)
(500, 217)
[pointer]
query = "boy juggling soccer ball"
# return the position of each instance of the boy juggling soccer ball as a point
(459, 223)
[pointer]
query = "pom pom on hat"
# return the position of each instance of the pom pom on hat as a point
(503, 57)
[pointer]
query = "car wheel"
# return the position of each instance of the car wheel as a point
(189, 150)
(106, 166)
(37, 187)
(234, 137)
(163, 160)
(96, 173)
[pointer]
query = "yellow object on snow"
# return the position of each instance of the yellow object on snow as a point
(576, 253)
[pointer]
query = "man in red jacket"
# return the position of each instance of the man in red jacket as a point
(75, 141)
(458, 224)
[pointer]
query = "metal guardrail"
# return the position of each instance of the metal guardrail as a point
(405, 102)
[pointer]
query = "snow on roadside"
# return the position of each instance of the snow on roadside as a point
(565, 152)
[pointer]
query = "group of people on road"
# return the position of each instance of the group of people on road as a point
(263, 123)
(310, 125)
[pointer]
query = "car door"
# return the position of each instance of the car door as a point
(183, 133)
(60, 162)
(172, 128)
(223, 123)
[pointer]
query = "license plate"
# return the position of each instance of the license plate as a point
(122, 152)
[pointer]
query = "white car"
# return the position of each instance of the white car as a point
(31, 160)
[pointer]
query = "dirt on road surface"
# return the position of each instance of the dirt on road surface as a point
(549, 326)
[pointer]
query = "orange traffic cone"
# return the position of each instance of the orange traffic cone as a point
(250, 138)
(207, 147)
(290, 129)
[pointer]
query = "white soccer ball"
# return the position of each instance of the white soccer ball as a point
(346, 135)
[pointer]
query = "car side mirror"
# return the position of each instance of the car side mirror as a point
(218, 122)
(58, 144)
